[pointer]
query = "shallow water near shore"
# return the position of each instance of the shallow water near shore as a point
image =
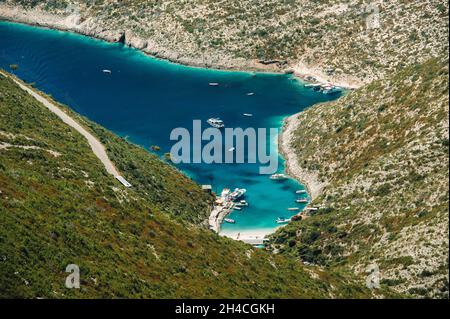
(144, 98)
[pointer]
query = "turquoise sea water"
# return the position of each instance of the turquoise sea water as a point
(145, 98)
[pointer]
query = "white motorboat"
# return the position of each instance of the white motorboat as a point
(215, 122)
(241, 203)
(237, 193)
(331, 89)
(282, 220)
(278, 176)
(312, 85)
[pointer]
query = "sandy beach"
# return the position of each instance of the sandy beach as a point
(305, 71)
(249, 235)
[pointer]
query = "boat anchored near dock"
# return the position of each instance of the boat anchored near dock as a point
(224, 205)
(236, 194)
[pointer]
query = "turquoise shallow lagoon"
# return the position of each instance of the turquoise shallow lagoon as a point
(145, 98)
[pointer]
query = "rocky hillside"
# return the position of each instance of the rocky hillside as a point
(58, 206)
(348, 42)
(381, 155)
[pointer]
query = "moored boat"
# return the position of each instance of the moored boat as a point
(241, 203)
(311, 85)
(278, 176)
(330, 89)
(302, 200)
(236, 194)
(215, 122)
(229, 220)
(282, 220)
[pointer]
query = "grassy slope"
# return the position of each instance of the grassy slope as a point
(383, 153)
(61, 208)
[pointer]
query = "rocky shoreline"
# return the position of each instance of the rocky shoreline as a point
(292, 165)
(91, 27)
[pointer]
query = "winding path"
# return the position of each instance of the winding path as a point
(96, 146)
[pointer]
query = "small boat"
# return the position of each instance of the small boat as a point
(302, 200)
(278, 176)
(231, 149)
(237, 207)
(241, 203)
(215, 122)
(330, 89)
(237, 193)
(106, 71)
(229, 220)
(282, 220)
(225, 193)
(250, 94)
(293, 208)
(301, 191)
(311, 85)
(213, 84)
(248, 114)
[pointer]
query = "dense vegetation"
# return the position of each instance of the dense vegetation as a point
(382, 154)
(59, 206)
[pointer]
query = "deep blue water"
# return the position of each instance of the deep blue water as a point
(145, 98)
